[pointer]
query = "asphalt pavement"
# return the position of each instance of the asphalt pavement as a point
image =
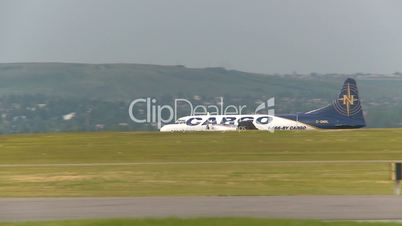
(297, 207)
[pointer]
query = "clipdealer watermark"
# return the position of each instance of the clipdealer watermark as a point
(162, 114)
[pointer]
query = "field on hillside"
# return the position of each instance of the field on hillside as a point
(246, 163)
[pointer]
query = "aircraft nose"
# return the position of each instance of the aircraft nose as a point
(164, 128)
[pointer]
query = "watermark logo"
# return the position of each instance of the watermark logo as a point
(148, 110)
(269, 106)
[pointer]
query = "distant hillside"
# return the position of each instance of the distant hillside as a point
(127, 81)
(99, 94)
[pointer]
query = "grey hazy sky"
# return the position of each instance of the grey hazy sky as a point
(252, 35)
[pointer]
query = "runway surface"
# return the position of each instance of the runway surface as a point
(300, 207)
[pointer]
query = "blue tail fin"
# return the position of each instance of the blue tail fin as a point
(346, 110)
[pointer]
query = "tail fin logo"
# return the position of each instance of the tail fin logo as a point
(348, 100)
(348, 103)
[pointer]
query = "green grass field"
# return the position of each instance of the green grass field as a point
(198, 222)
(247, 163)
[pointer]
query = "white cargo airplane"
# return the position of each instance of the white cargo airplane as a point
(345, 112)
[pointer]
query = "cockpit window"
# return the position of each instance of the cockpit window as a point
(181, 121)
